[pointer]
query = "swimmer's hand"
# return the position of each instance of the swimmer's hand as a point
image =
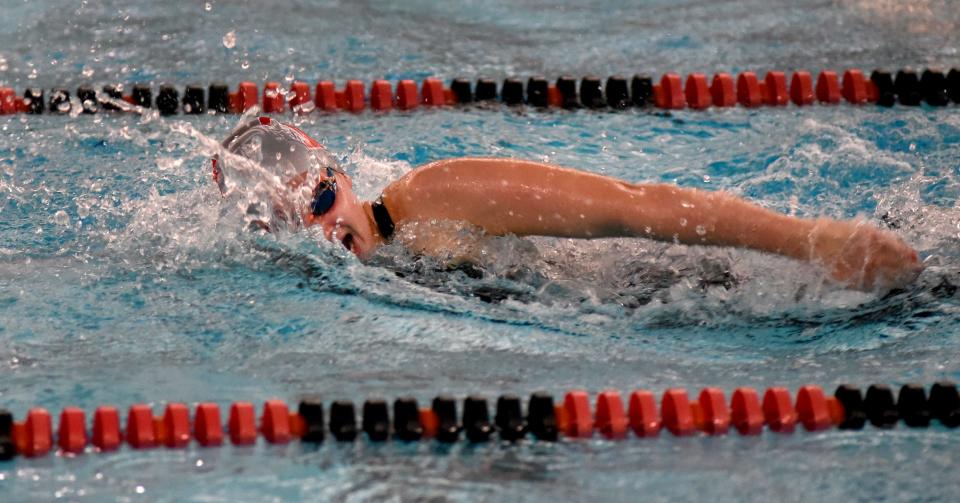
(862, 256)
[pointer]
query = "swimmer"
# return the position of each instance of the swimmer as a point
(526, 198)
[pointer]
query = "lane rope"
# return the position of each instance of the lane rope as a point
(671, 92)
(707, 413)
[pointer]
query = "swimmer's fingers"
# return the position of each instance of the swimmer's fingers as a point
(866, 258)
(890, 263)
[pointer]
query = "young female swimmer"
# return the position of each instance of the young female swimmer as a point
(510, 196)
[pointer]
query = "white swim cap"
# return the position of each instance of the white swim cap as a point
(278, 149)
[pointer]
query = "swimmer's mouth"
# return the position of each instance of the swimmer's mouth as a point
(347, 241)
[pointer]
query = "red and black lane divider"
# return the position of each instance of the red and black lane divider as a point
(611, 416)
(671, 92)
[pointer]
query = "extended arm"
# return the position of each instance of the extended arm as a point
(529, 198)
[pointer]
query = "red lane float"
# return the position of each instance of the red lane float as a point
(676, 413)
(748, 90)
(723, 91)
(325, 96)
(576, 404)
(716, 414)
(644, 419)
(812, 409)
(746, 414)
(671, 88)
(301, 95)
(853, 87)
(381, 95)
(242, 423)
(106, 428)
(801, 88)
(828, 91)
(610, 418)
(140, 432)
(176, 422)
(8, 101)
(775, 85)
(554, 96)
(353, 97)
(272, 98)
(697, 92)
(206, 425)
(563, 422)
(298, 426)
(407, 95)
(432, 92)
(778, 411)
(35, 434)
(429, 422)
(72, 433)
(245, 97)
(275, 422)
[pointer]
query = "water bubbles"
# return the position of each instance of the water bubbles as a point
(245, 64)
(169, 163)
(61, 218)
(230, 39)
(83, 206)
(305, 108)
(87, 72)
(701, 230)
(683, 222)
(208, 6)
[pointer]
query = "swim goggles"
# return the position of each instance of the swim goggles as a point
(324, 194)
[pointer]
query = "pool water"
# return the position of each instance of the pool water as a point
(124, 278)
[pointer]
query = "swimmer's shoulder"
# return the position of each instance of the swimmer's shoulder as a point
(464, 188)
(425, 191)
(414, 195)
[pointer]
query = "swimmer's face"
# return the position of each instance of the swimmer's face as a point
(345, 221)
(302, 163)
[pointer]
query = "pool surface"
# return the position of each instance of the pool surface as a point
(125, 279)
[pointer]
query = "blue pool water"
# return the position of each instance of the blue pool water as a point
(123, 279)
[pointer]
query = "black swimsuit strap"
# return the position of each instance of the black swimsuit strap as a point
(382, 217)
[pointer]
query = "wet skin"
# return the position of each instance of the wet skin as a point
(509, 196)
